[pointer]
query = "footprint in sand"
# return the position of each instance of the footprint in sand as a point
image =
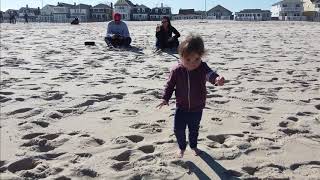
(122, 166)
(86, 172)
(292, 118)
(147, 149)
(23, 164)
(305, 113)
(43, 142)
(292, 131)
(217, 121)
(4, 99)
(21, 110)
(41, 123)
(130, 112)
(54, 115)
(80, 157)
(106, 118)
(91, 141)
(124, 156)
(274, 169)
(306, 165)
(135, 138)
(53, 95)
(148, 128)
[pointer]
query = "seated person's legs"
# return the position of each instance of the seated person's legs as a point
(161, 44)
(157, 44)
(174, 43)
(114, 41)
(108, 40)
(126, 41)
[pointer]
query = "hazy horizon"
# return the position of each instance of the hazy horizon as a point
(232, 5)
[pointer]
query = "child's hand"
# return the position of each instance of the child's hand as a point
(219, 81)
(158, 28)
(164, 102)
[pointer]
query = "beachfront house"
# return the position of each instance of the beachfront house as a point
(101, 13)
(157, 13)
(124, 7)
(288, 10)
(140, 13)
(219, 13)
(311, 10)
(46, 13)
(8, 13)
(187, 14)
(61, 12)
(317, 9)
(81, 11)
(31, 13)
(253, 15)
(1, 16)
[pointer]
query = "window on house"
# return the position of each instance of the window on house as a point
(163, 10)
(156, 10)
(143, 10)
(297, 5)
(138, 10)
(284, 5)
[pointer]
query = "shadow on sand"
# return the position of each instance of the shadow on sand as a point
(223, 173)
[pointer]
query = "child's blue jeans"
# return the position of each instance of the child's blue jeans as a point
(182, 119)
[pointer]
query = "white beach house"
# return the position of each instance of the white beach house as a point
(253, 15)
(124, 7)
(288, 10)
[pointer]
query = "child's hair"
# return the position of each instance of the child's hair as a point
(192, 44)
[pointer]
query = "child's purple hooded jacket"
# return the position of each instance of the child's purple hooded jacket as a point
(189, 86)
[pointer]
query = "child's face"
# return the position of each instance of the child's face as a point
(191, 61)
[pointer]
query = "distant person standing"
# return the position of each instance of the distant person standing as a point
(164, 35)
(117, 32)
(12, 18)
(26, 18)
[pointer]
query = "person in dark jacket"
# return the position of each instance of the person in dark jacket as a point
(164, 35)
(75, 21)
(188, 80)
(26, 18)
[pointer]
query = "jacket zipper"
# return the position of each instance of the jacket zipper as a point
(188, 89)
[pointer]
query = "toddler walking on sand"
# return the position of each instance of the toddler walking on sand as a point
(188, 80)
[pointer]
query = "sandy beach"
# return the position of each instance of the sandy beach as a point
(70, 111)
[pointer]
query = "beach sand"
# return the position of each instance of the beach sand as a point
(81, 112)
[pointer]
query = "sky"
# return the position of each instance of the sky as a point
(232, 5)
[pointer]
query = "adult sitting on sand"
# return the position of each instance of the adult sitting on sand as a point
(164, 35)
(75, 21)
(117, 32)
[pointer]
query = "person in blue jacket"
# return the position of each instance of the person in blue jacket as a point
(117, 32)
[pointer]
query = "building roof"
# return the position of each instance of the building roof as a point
(286, 1)
(124, 2)
(153, 11)
(101, 6)
(186, 11)
(219, 8)
(64, 5)
(135, 9)
(141, 6)
(81, 6)
(254, 11)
